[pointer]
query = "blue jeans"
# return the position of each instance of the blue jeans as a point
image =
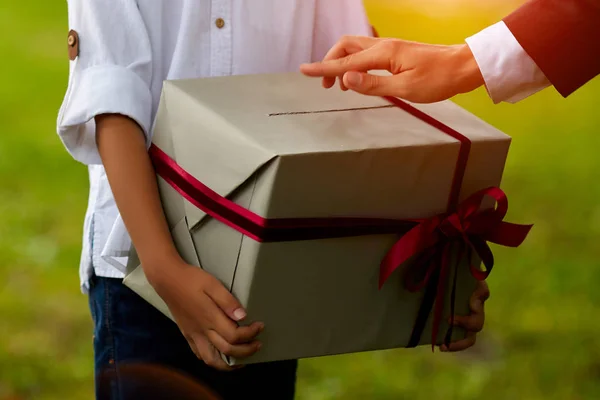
(141, 354)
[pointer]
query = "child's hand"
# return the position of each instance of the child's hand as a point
(472, 323)
(204, 310)
(206, 314)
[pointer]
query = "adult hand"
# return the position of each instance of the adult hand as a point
(421, 73)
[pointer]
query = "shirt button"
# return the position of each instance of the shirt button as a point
(71, 40)
(220, 23)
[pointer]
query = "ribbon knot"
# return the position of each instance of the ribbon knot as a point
(429, 246)
(453, 227)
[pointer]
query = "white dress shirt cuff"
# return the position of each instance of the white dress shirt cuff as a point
(101, 90)
(509, 73)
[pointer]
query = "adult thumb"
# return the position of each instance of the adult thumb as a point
(373, 85)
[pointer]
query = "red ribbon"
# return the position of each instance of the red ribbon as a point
(428, 246)
(426, 243)
(262, 229)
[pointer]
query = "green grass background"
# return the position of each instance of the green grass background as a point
(542, 335)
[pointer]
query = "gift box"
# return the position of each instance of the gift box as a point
(345, 223)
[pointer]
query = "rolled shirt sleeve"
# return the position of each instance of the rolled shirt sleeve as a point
(510, 74)
(111, 74)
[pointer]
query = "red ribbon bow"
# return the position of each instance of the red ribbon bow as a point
(428, 246)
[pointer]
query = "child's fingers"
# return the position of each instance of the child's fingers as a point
(193, 347)
(480, 296)
(215, 319)
(230, 331)
(205, 351)
(202, 350)
(471, 323)
(475, 321)
(225, 300)
(461, 345)
(232, 350)
(240, 334)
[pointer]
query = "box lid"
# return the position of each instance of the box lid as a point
(225, 128)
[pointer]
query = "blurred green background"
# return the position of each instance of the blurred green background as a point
(542, 335)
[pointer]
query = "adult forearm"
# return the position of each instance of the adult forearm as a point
(467, 72)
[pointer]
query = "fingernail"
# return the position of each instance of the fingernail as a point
(239, 314)
(258, 346)
(261, 327)
(354, 78)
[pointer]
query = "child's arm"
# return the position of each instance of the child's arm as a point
(109, 89)
(204, 310)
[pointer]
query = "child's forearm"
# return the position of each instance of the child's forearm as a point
(205, 311)
(133, 182)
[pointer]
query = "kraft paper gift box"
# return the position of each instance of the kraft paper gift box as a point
(280, 146)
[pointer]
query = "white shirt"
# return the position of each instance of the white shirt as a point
(129, 47)
(509, 73)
